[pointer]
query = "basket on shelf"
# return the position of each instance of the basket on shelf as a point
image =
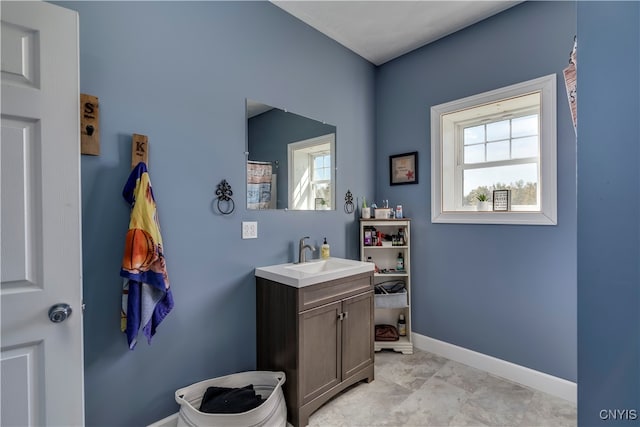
(391, 294)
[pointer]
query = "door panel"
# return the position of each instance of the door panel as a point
(22, 396)
(320, 348)
(21, 205)
(20, 55)
(358, 333)
(41, 361)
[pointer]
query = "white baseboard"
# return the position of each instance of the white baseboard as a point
(170, 421)
(537, 380)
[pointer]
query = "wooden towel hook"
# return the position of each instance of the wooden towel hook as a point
(89, 125)
(139, 150)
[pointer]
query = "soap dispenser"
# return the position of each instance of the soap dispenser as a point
(325, 250)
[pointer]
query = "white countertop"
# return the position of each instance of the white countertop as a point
(312, 272)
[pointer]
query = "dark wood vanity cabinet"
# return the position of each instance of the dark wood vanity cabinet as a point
(321, 336)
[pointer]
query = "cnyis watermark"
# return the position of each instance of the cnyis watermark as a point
(618, 414)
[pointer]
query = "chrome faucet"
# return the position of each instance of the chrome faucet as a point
(301, 247)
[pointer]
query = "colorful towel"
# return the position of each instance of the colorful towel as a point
(146, 296)
(258, 184)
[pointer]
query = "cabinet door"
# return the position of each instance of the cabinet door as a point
(358, 334)
(320, 349)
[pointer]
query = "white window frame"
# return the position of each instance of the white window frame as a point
(299, 187)
(443, 155)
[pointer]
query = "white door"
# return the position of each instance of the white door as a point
(41, 361)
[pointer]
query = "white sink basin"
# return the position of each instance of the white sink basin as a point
(319, 266)
(312, 272)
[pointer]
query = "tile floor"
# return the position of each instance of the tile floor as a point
(423, 389)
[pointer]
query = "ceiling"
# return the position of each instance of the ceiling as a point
(380, 31)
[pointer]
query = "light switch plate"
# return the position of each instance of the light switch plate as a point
(249, 229)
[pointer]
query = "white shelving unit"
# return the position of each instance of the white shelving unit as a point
(389, 307)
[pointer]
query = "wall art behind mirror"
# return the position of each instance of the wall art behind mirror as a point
(291, 160)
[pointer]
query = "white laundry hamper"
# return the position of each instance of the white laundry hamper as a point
(267, 384)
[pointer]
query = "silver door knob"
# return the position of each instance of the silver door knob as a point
(59, 312)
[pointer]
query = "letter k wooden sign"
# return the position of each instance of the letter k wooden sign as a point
(139, 150)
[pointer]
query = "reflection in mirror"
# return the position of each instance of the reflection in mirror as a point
(290, 162)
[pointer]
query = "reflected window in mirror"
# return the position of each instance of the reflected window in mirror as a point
(311, 167)
(290, 160)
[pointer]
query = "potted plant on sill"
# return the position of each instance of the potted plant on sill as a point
(483, 203)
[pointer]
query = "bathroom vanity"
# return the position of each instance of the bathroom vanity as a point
(316, 324)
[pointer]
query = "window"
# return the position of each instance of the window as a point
(311, 171)
(321, 181)
(500, 152)
(503, 139)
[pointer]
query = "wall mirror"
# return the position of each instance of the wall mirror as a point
(290, 161)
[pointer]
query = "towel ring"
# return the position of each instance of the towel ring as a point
(348, 205)
(224, 194)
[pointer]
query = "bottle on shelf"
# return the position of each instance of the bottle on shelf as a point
(400, 262)
(368, 235)
(402, 326)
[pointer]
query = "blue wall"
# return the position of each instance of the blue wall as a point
(180, 73)
(505, 291)
(608, 212)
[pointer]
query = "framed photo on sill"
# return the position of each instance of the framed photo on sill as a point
(403, 168)
(501, 200)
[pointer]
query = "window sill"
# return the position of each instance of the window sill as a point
(511, 218)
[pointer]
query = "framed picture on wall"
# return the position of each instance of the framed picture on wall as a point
(403, 168)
